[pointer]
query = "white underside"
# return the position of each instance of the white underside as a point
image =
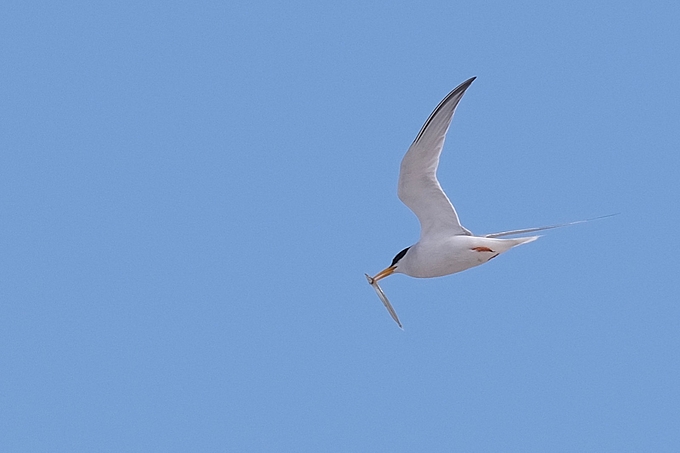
(436, 258)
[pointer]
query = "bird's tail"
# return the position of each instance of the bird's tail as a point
(520, 241)
(549, 227)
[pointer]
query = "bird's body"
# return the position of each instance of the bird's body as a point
(445, 246)
(447, 255)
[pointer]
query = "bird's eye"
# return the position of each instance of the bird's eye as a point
(399, 256)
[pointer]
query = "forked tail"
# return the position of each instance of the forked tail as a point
(549, 227)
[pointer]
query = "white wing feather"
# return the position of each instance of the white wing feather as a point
(419, 188)
(549, 227)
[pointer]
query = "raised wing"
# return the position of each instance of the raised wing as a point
(419, 188)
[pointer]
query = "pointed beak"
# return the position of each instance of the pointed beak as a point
(384, 273)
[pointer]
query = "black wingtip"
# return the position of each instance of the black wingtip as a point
(468, 82)
(457, 94)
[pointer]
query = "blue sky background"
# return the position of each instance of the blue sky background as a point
(190, 193)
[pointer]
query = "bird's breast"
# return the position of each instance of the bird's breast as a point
(447, 256)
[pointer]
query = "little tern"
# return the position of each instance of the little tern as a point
(445, 246)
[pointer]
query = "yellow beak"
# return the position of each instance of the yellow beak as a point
(384, 273)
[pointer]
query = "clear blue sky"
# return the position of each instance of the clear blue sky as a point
(191, 192)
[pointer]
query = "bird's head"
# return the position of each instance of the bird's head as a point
(392, 267)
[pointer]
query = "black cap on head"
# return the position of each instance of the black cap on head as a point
(399, 256)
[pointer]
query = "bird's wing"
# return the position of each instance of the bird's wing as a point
(418, 185)
(549, 227)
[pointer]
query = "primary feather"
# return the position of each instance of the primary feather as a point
(418, 187)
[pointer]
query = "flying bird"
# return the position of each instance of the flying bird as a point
(445, 246)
